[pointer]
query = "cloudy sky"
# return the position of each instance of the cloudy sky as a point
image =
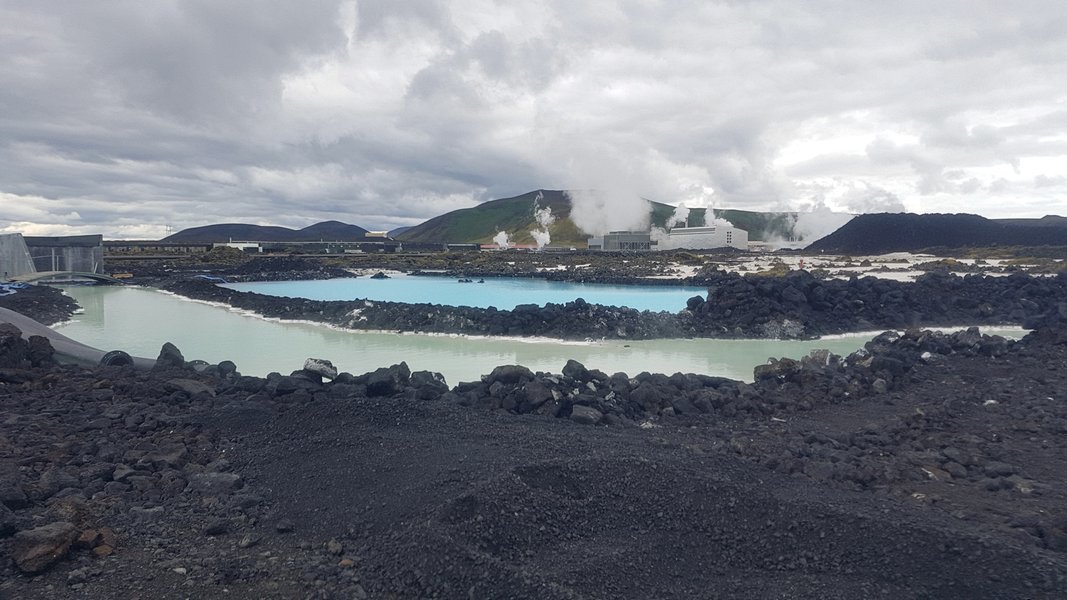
(129, 117)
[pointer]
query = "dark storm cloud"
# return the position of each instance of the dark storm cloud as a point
(128, 116)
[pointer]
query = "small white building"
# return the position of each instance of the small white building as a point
(703, 238)
(248, 247)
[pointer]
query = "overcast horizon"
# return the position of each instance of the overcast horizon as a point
(133, 118)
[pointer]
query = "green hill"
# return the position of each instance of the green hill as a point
(516, 216)
(513, 215)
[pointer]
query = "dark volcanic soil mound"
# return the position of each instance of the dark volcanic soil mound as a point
(41, 303)
(905, 232)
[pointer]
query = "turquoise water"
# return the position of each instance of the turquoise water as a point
(140, 320)
(503, 293)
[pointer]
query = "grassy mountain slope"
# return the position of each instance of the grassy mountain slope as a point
(515, 216)
(759, 225)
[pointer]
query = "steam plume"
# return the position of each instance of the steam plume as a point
(597, 212)
(545, 219)
(501, 240)
(680, 217)
(711, 219)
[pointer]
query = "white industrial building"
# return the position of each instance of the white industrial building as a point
(679, 238)
(703, 238)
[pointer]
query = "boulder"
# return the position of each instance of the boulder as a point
(509, 375)
(388, 381)
(36, 549)
(648, 397)
(777, 369)
(14, 351)
(534, 394)
(576, 370)
(321, 367)
(169, 357)
(213, 484)
(288, 384)
(191, 387)
(40, 351)
(52, 481)
(428, 384)
(585, 415)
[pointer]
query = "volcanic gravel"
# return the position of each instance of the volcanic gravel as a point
(41, 303)
(945, 480)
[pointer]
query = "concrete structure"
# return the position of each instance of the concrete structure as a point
(14, 256)
(83, 253)
(622, 240)
(249, 247)
(703, 238)
(679, 238)
(118, 247)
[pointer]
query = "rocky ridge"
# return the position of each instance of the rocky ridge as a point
(797, 305)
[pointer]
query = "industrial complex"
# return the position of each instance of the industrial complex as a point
(678, 238)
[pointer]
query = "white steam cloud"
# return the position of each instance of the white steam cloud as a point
(541, 237)
(658, 234)
(712, 219)
(680, 217)
(501, 240)
(818, 223)
(597, 212)
(545, 219)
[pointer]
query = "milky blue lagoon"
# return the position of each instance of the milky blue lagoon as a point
(140, 320)
(504, 293)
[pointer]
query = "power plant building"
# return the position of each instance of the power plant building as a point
(704, 238)
(622, 240)
(679, 238)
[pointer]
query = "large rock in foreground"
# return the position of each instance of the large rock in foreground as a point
(37, 549)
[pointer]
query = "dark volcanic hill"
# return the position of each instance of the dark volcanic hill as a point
(904, 232)
(330, 231)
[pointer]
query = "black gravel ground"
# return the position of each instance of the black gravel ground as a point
(195, 482)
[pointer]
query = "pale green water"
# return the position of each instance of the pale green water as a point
(140, 320)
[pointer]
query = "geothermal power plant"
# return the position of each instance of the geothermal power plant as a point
(677, 238)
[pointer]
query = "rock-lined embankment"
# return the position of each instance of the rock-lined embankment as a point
(797, 305)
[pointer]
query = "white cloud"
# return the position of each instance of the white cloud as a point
(384, 112)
